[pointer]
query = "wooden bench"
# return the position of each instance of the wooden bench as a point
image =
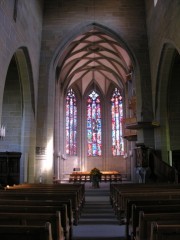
(22, 232)
(160, 194)
(41, 210)
(143, 230)
(150, 209)
(73, 193)
(44, 203)
(78, 188)
(116, 189)
(43, 195)
(33, 219)
(78, 202)
(165, 231)
(120, 192)
(145, 202)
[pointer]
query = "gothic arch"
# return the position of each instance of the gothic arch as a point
(19, 84)
(163, 99)
(93, 56)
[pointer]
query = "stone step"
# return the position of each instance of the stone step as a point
(108, 221)
(97, 194)
(96, 206)
(99, 215)
(97, 211)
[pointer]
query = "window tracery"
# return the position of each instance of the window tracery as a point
(94, 144)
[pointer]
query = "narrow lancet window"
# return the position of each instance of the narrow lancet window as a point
(117, 117)
(71, 124)
(94, 142)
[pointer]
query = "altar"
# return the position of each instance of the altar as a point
(106, 176)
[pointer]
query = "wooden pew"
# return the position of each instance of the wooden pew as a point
(33, 219)
(145, 202)
(144, 228)
(116, 189)
(41, 210)
(53, 189)
(150, 209)
(77, 203)
(41, 203)
(22, 232)
(149, 194)
(43, 195)
(78, 188)
(165, 231)
(120, 192)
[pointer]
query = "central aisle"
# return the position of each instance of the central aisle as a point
(98, 220)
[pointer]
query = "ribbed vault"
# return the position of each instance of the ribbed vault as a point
(95, 57)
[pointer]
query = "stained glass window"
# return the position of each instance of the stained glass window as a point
(71, 124)
(117, 116)
(94, 125)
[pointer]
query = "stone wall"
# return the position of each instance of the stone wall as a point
(20, 31)
(25, 31)
(63, 20)
(163, 21)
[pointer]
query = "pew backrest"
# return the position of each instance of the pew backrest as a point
(165, 231)
(33, 219)
(21, 232)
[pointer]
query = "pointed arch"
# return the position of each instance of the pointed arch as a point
(93, 49)
(20, 89)
(163, 101)
(94, 58)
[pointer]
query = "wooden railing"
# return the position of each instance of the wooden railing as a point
(107, 176)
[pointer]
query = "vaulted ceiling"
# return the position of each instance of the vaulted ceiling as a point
(95, 57)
